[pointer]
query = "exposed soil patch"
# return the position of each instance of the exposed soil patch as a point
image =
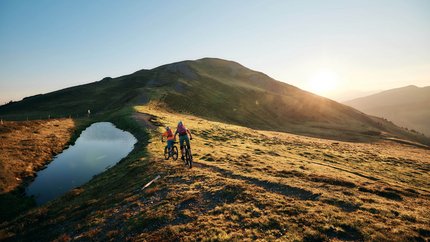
(147, 120)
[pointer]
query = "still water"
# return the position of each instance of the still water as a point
(98, 147)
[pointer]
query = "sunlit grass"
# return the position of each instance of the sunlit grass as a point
(246, 185)
(305, 187)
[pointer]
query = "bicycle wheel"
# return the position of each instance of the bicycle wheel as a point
(184, 155)
(166, 153)
(189, 158)
(175, 152)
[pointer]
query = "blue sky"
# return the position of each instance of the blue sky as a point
(345, 45)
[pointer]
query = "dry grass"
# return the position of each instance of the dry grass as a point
(247, 185)
(26, 147)
(250, 184)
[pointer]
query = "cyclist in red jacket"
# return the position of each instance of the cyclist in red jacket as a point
(170, 138)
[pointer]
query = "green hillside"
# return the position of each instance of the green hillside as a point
(215, 89)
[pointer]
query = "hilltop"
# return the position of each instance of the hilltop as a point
(406, 106)
(217, 90)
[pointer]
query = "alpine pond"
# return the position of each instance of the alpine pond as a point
(99, 147)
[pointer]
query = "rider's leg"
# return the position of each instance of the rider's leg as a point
(181, 144)
(169, 145)
(188, 143)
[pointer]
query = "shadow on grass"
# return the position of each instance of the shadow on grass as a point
(282, 189)
(344, 232)
(14, 203)
(392, 194)
(286, 190)
(345, 170)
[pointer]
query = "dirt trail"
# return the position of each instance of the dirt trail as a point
(148, 121)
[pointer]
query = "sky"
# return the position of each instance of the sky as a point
(335, 48)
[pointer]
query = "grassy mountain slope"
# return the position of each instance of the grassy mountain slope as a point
(218, 90)
(246, 185)
(100, 96)
(407, 106)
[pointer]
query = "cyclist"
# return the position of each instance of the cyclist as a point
(170, 138)
(183, 137)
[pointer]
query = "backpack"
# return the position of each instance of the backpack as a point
(182, 130)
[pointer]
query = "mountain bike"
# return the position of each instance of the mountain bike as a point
(172, 152)
(188, 159)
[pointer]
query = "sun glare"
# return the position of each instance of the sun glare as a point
(323, 81)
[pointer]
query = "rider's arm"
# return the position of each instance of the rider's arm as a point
(188, 131)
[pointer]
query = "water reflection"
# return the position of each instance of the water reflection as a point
(99, 146)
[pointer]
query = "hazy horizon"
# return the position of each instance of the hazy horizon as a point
(333, 48)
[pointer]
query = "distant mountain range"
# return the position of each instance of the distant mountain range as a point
(406, 106)
(218, 90)
(344, 96)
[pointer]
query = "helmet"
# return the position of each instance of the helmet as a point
(167, 128)
(179, 123)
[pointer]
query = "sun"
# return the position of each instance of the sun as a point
(323, 81)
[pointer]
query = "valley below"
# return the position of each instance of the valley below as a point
(246, 184)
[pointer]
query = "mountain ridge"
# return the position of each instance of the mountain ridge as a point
(407, 106)
(409, 91)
